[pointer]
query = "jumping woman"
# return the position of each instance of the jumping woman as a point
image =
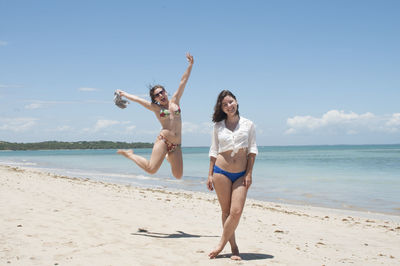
(168, 113)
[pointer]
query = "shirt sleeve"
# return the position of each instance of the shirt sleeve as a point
(252, 140)
(214, 143)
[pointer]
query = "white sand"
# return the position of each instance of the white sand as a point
(48, 219)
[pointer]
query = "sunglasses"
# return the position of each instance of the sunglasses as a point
(159, 94)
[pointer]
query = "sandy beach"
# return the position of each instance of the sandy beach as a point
(48, 219)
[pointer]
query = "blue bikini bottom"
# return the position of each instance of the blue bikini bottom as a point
(232, 176)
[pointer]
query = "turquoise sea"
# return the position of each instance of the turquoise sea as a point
(362, 177)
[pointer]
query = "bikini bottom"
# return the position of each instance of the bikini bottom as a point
(171, 147)
(232, 176)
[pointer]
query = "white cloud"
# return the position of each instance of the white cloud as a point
(36, 104)
(110, 126)
(18, 124)
(202, 128)
(9, 86)
(3, 43)
(33, 106)
(130, 128)
(336, 122)
(88, 89)
(394, 120)
(103, 123)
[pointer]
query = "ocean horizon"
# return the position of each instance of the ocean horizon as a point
(352, 177)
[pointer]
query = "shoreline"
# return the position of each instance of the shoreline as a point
(51, 219)
(301, 206)
(289, 203)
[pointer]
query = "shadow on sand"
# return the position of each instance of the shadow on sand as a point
(248, 256)
(179, 234)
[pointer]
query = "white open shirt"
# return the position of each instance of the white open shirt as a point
(243, 136)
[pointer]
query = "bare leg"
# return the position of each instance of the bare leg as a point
(232, 242)
(239, 194)
(223, 188)
(157, 156)
(238, 197)
(175, 159)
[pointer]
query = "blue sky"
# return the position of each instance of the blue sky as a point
(306, 72)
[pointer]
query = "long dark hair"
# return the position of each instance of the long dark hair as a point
(152, 89)
(219, 115)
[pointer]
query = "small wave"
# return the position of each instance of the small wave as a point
(18, 163)
(143, 177)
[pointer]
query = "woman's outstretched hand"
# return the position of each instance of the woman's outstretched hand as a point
(210, 184)
(190, 58)
(121, 92)
(247, 181)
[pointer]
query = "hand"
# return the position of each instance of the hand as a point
(190, 58)
(210, 183)
(121, 92)
(247, 181)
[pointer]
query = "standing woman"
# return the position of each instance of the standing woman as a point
(232, 154)
(168, 113)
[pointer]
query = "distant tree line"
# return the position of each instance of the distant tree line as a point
(59, 145)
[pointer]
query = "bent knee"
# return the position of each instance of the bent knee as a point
(178, 175)
(152, 170)
(225, 213)
(236, 212)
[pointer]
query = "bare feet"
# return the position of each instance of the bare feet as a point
(215, 253)
(235, 254)
(126, 153)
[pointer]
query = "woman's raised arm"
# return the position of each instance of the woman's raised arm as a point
(178, 94)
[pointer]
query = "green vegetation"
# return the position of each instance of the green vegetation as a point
(58, 145)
